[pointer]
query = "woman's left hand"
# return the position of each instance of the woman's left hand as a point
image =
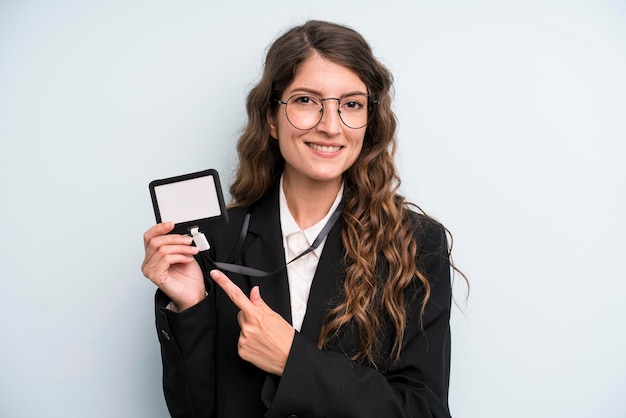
(265, 339)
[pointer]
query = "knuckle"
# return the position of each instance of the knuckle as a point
(151, 246)
(169, 259)
(149, 235)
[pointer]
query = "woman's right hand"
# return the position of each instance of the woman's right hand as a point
(169, 264)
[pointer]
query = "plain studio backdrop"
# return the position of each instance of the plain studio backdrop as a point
(512, 131)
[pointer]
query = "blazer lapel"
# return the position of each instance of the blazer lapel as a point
(265, 252)
(327, 284)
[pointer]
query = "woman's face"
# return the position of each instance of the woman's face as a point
(325, 152)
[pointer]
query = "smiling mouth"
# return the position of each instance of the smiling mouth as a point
(323, 148)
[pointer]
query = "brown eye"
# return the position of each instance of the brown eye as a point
(353, 105)
(304, 100)
(354, 102)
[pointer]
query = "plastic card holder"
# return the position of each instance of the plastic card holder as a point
(190, 200)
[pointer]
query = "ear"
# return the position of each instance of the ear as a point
(271, 122)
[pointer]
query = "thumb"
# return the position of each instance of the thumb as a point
(255, 297)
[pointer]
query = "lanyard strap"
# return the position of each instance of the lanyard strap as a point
(249, 271)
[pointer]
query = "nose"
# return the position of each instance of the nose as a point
(330, 123)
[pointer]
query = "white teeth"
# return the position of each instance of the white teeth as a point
(323, 148)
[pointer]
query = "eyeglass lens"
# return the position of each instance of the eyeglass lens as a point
(305, 111)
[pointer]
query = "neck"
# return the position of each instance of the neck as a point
(311, 201)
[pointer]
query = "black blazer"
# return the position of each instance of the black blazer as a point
(203, 376)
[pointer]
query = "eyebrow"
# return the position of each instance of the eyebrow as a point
(317, 93)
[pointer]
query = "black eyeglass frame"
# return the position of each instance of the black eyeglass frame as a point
(370, 106)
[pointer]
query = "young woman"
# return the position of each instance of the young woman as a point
(358, 326)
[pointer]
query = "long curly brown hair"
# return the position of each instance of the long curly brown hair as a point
(376, 228)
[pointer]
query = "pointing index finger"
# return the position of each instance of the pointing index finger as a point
(232, 290)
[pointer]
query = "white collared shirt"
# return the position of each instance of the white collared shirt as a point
(300, 273)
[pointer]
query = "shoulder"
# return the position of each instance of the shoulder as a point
(236, 216)
(430, 234)
(237, 213)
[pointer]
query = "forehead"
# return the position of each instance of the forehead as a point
(324, 77)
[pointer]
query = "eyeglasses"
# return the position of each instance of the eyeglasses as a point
(305, 111)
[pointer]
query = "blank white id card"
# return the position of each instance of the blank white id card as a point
(189, 200)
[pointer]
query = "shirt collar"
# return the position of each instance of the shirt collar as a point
(289, 225)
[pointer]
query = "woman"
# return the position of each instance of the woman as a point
(359, 326)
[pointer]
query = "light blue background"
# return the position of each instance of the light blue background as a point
(512, 132)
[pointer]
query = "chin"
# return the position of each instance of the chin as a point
(327, 178)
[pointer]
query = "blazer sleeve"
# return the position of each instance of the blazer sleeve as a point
(188, 354)
(323, 383)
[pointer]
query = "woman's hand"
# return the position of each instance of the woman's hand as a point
(169, 264)
(265, 339)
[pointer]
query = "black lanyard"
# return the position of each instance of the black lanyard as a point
(249, 271)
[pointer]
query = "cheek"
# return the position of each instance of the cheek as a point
(358, 141)
(359, 146)
(280, 126)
